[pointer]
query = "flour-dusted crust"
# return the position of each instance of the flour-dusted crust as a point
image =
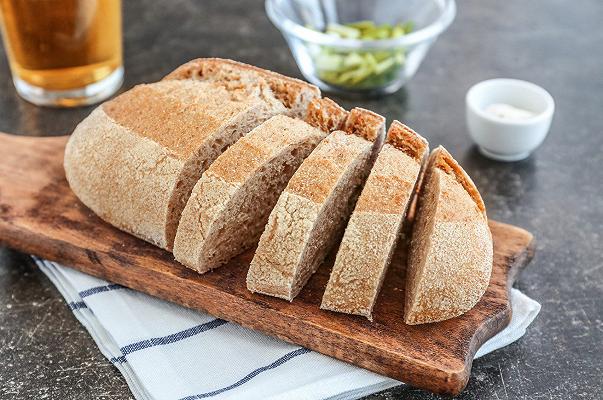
(293, 93)
(230, 204)
(374, 227)
(135, 160)
(451, 252)
(314, 207)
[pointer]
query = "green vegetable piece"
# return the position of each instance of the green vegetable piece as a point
(370, 60)
(361, 74)
(353, 59)
(384, 65)
(382, 55)
(408, 27)
(366, 24)
(343, 31)
(353, 77)
(328, 62)
(342, 79)
(383, 32)
(398, 31)
(328, 76)
(400, 58)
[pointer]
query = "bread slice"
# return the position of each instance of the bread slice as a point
(451, 253)
(314, 207)
(374, 227)
(136, 158)
(230, 204)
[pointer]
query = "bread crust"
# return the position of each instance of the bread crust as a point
(374, 227)
(451, 250)
(295, 94)
(313, 209)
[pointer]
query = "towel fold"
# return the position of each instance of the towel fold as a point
(166, 351)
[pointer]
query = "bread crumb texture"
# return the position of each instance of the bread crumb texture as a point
(362, 259)
(263, 143)
(371, 234)
(309, 216)
(274, 266)
(326, 115)
(364, 123)
(390, 183)
(229, 206)
(321, 171)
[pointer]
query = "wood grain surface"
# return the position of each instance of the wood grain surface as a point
(40, 215)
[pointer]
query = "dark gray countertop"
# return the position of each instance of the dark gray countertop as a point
(556, 194)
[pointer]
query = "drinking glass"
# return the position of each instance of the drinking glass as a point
(63, 53)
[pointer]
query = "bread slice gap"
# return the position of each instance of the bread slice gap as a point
(451, 251)
(135, 159)
(312, 210)
(230, 205)
(374, 227)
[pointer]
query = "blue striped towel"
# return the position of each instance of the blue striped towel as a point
(166, 351)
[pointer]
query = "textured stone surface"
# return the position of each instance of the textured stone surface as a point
(556, 193)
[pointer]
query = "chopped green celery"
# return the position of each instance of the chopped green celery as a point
(361, 68)
(362, 74)
(384, 65)
(366, 24)
(343, 31)
(383, 33)
(328, 76)
(329, 62)
(400, 58)
(398, 31)
(353, 76)
(353, 59)
(370, 60)
(382, 55)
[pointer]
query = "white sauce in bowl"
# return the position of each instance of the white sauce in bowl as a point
(508, 112)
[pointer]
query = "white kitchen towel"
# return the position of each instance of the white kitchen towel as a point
(166, 351)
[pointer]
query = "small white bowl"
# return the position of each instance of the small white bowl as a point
(508, 139)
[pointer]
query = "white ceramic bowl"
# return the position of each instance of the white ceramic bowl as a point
(508, 139)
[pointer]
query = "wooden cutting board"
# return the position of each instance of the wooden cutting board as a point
(40, 215)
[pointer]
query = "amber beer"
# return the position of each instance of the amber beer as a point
(63, 52)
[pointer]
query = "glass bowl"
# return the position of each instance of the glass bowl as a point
(393, 61)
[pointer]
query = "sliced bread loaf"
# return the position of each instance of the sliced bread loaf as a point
(374, 227)
(314, 207)
(136, 158)
(451, 253)
(230, 205)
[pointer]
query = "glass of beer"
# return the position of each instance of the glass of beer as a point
(63, 52)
